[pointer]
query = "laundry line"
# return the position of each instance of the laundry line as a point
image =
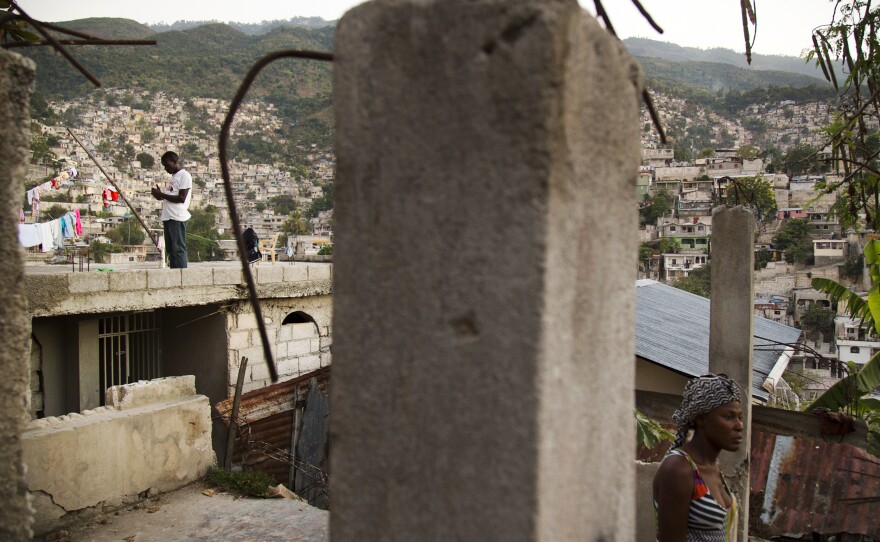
(149, 232)
(50, 234)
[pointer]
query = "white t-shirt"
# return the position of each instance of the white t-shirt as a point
(177, 211)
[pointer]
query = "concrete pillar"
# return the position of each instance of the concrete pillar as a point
(731, 329)
(484, 265)
(16, 78)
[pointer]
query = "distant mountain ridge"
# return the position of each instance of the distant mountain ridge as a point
(643, 47)
(251, 29)
(211, 60)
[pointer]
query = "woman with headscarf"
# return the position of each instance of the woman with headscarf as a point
(692, 501)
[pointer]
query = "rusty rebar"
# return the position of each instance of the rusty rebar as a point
(223, 144)
(58, 47)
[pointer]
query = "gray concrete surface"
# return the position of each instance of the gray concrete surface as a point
(188, 514)
(483, 299)
(151, 436)
(16, 79)
(731, 331)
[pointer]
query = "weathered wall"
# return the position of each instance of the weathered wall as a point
(152, 436)
(653, 377)
(472, 375)
(57, 365)
(66, 293)
(297, 348)
(777, 285)
(646, 525)
(16, 77)
(195, 342)
(731, 331)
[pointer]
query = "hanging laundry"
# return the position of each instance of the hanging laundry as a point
(50, 234)
(29, 235)
(58, 180)
(57, 235)
(46, 237)
(110, 196)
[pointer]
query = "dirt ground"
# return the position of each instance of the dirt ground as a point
(189, 514)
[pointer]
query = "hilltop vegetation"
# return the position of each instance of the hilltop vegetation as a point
(211, 60)
(648, 48)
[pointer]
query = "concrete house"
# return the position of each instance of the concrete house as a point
(91, 331)
(680, 265)
(690, 235)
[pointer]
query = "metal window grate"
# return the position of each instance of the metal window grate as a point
(128, 346)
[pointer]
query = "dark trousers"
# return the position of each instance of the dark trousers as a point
(175, 243)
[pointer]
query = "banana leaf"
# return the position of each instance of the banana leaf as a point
(847, 391)
(857, 307)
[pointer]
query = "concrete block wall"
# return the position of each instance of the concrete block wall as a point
(805, 278)
(774, 269)
(298, 348)
(144, 289)
(782, 284)
(152, 437)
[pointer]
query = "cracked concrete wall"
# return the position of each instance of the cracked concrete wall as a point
(477, 135)
(152, 437)
(16, 78)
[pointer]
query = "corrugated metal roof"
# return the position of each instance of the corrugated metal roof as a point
(672, 330)
(266, 418)
(804, 486)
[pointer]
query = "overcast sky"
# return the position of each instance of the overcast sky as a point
(784, 26)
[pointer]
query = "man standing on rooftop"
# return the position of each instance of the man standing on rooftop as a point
(175, 204)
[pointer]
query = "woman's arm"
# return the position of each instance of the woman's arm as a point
(673, 488)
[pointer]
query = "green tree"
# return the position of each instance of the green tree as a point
(802, 160)
(748, 152)
(322, 203)
(793, 237)
(294, 225)
(98, 251)
(147, 161)
(655, 206)
(40, 152)
(819, 320)
(201, 235)
(126, 234)
(851, 39)
(707, 152)
(698, 281)
(55, 211)
(668, 245)
(645, 255)
(282, 205)
(755, 193)
(682, 152)
(203, 222)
